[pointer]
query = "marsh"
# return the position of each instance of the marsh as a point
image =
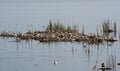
(19, 17)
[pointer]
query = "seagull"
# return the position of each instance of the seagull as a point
(55, 62)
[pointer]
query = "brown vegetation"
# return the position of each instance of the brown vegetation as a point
(59, 33)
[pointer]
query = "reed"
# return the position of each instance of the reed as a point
(58, 26)
(106, 26)
(75, 28)
(115, 29)
(83, 30)
(49, 27)
(57, 32)
(109, 27)
(69, 28)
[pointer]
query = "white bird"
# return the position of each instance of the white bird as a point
(55, 62)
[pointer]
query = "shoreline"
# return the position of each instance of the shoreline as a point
(58, 36)
(57, 32)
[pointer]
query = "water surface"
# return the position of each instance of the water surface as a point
(71, 56)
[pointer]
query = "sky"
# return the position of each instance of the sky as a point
(28, 1)
(39, 12)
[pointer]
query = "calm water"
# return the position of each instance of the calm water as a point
(36, 56)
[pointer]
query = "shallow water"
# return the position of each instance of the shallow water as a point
(71, 56)
(33, 55)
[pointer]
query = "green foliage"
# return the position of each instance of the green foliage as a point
(115, 29)
(74, 28)
(83, 30)
(57, 26)
(49, 27)
(69, 28)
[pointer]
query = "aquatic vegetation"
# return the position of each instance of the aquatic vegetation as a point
(57, 26)
(52, 27)
(7, 34)
(111, 62)
(115, 29)
(57, 32)
(107, 26)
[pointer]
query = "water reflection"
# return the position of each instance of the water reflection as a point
(74, 51)
(56, 56)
